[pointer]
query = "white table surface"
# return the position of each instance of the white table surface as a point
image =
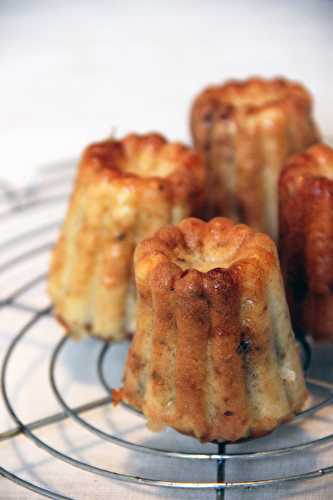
(72, 71)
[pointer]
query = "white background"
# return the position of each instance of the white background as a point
(71, 71)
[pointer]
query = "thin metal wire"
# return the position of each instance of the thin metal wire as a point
(51, 170)
(26, 287)
(7, 192)
(73, 412)
(26, 255)
(100, 366)
(30, 486)
(55, 418)
(213, 456)
(309, 411)
(28, 235)
(56, 182)
(127, 477)
(104, 382)
(221, 457)
(220, 473)
(32, 205)
(20, 307)
(307, 353)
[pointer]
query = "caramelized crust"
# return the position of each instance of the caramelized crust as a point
(124, 191)
(246, 130)
(214, 354)
(306, 239)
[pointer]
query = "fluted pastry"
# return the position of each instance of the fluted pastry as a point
(306, 239)
(124, 191)
(246, 130)
(214, 355)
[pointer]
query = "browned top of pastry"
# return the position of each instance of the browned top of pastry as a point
(194, 248)
(316, 162)
(147, 159)
(251, 96)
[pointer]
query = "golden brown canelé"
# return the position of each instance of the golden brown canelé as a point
(125, 190)
(214, 355)
(246, 130)
(306, 239)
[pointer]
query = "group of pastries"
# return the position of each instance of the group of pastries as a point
(146, 251)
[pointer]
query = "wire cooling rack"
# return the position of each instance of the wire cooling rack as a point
(28, 240)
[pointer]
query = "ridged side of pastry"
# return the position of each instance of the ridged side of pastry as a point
(246, 131)
(124, 192)
(214, 354)
(306, 239)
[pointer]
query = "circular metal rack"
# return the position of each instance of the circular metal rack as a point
(224, 451)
